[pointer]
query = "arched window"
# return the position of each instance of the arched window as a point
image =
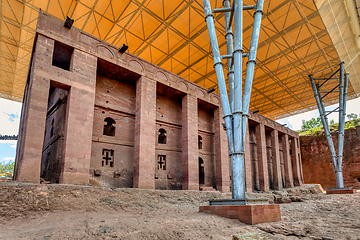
(109, 128)
(199, 142)
(201, 172)
(162, 136)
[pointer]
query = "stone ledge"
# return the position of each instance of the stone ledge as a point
(249, 214)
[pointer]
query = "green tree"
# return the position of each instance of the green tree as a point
(7, 167)
(310, 124)
(352, 116)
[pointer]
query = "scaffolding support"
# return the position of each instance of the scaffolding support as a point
(342, 89)
(236, 111)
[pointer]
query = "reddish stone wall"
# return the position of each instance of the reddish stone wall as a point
(116, 100)
(316, 160)
(168, 119)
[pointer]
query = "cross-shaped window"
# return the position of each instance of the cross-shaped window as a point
(161, 164)
(108, 157)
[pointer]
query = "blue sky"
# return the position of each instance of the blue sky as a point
(10, 118)
(9, 125)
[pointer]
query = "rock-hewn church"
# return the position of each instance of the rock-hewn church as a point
(94, 115)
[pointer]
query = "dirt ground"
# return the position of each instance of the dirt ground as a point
(43, 212)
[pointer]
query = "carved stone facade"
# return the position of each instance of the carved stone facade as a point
(116, 120)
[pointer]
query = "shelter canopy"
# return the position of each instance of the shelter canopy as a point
(293, 43)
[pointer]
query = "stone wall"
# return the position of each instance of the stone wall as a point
(316, 159)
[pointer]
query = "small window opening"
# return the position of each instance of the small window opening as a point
(109, 128)
(162, 136)
(161, 163)
(108, 157)
(201, 172)
(62, 56)
(52, 128)
(199, 142)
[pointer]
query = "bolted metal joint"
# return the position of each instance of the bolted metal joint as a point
(258, 11)
(225, 116)
(251, 61)
(217, 63)
(237, 112)
(209, 15)
(237, 153)
(239, 50)
(229, 33)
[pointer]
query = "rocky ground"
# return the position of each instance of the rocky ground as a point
(43, 212)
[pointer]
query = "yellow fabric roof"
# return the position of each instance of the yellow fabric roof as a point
(294, 43)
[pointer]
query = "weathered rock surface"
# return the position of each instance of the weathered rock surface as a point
(29, 211)
(316, 157)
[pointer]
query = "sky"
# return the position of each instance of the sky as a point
(9, 125)
(295, 122)
(10, 118)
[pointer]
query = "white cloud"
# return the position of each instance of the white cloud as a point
(9, 117)
(12, 142)
(8, 159)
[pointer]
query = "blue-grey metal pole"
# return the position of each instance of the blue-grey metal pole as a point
(324, 122)
(218, 65)
(251, 62)
(238, 154)
(338, 173)
(229, 45)
(338, 170)
(344, 114)
(345, 93)
(250, 68)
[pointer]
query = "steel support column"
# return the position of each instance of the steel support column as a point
(342, 89)
(235, 113)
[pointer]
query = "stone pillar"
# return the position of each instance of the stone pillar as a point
(295, 154)
(254, 159)
(190, 152)
(262, 157)
(79, 120)
(276, 159)
(248, 163)
(300, 162)
(222, 161)
(289, 179)
(32, 124)
(145, 134)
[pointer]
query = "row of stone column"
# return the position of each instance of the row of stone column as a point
(144, 149)
(291, 171)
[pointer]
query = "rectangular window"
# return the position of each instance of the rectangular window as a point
(161, 162)
(62, 55)
(108, 157)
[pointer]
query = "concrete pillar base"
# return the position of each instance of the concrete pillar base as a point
(342, 191)
(249, 214)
